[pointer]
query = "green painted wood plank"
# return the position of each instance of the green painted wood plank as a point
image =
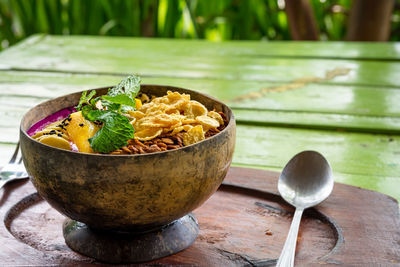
(355, 108)
(317, 98)
(385, 185)
(362, 157)
(151, 58)
(357, 155)
(336, 50)
(228, 72)
(12, 117)
(389, 125)
(335, 99)
(352, 153)
(309, 120)
(357, 100)
(346, 100)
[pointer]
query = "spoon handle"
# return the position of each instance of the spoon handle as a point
(286, 259)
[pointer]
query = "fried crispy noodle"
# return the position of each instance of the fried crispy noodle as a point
(175, 113)
(160, 123)
(174, 119)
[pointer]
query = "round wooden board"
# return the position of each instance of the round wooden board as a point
(244, 223)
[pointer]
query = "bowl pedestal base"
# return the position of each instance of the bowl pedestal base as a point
(117, 247)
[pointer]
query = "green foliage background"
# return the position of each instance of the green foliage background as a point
(215, 20)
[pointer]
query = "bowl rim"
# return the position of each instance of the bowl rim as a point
(231, 123)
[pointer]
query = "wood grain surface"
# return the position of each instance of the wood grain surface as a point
(244, 224)
(339, 98)
(346, 140)
(58, 54)
(276, 103)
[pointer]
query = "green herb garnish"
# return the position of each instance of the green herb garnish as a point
(124, 93)
(85, 99)
(116, 130)
(114, 133)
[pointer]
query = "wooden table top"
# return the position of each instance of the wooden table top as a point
(341, 99)
(245, 223)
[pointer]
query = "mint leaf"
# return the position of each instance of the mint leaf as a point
(116, 129)
(129, 86)
(85, 99)
(110, 105)
(115, 132)
(85, 110)
(121, 99)
(124, 93)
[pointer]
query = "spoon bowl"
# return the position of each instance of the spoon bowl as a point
(305, 181)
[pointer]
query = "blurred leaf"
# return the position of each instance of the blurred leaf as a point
(107, 27)
(214, 20)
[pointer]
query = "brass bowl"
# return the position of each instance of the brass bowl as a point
(127, 192)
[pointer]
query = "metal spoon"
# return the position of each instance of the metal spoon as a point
(305, 181)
